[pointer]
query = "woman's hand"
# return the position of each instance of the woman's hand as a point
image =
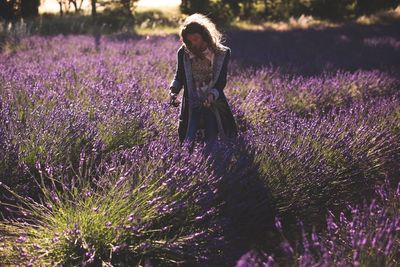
(172, 99)
(209, 100)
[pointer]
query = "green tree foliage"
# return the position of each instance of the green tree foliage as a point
(370, 6)
(219, 11)
(283, 9)
(13, 9)
(125, 6)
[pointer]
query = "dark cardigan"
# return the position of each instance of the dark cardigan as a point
(179, 81)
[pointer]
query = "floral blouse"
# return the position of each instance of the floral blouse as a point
(202, 70)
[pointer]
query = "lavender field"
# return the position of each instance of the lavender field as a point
(92, 174)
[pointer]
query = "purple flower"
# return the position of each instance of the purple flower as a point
(278, 224)
(116, 249)
(21, 239)
(131, 217)
(286, 247)
(54, 197)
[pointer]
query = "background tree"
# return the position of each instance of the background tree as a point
(13, 9)
(61, 6)
(367, 7)
(8, 10)
(234, 5)
(93, 4)
(333, 9)
(77, 4)
(29, 8)
(193, 6)
(323, 9)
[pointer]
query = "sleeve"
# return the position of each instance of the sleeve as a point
(221, 82)
(177, 83)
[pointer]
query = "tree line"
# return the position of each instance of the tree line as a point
(224, 10)
(15, 9)
(284, 9)
(12, 9)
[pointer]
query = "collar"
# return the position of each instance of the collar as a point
(208, 53)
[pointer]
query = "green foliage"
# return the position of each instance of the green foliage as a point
(301, 102)
(344, 162)
(118, 134)
(284, 9)
(116, 220)
(155, 18)
(219, 11)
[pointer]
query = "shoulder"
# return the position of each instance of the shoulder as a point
(228, 51)
(180, 50)
(224, 50)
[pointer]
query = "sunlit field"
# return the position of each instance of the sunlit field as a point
(52, 6)
(92, 174)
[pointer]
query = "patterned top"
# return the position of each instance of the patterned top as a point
(202, 70)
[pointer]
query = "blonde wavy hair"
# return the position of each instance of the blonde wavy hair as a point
(201, 24)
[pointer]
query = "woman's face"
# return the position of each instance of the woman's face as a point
(197, 41)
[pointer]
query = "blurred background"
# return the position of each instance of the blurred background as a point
(149, 16)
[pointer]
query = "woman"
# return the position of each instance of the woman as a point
(202, 66)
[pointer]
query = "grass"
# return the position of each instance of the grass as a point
(127, 214)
